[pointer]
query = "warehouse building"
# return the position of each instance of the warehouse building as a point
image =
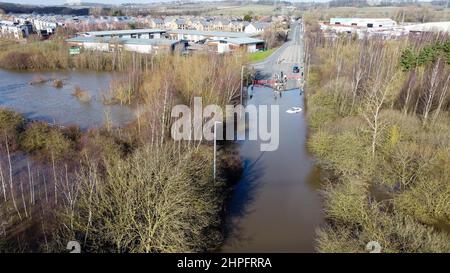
(127, 34)
(234, 44)
(197, 35)
(364, 22)
(146, 46)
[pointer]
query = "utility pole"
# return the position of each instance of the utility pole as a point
(242, 83)
(215, 148)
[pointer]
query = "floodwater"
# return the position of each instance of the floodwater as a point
(276, 205)
(58, 105)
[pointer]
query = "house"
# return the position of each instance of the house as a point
(225, 45)
(112, 44)
(181, 23)
(14, 30)
(176, 23)
(200, 24)
(256, 27)
(44, 24)
(156, 23)
(237, 26)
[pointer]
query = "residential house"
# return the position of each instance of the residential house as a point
(13, 30)
(156, 23)
(256, 27)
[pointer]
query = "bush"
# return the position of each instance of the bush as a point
(154, 201)
(396, 234)
(58, 83)
(16, 60)
(11, 124)
(397, 194)
(46, 142)
(81, 94)
(427, 202)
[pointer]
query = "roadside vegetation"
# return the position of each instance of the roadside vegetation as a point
(260, 55)
(53, 54)
(129, 189)
(379, 115)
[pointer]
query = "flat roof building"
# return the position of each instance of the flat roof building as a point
(233, 44)
(429, 27)
(146, 46)
(197, 35)
(364, 22)
(127, 33)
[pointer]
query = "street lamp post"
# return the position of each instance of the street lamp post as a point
(242, 82)
(215, 148)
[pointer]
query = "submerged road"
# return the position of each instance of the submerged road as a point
(276, 205)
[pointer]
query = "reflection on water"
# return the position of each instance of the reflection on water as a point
(45, 102)
(276, 205)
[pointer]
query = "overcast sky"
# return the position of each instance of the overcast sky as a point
(59, 2)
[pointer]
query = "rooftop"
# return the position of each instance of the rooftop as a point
(242, 41)
(80, 39)
(431, 26)
(210, 33)
(123, 32)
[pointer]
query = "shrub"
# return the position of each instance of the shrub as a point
(11, 124)
(154, 201)
(81, 94)
(15, 60)
(427, 202)
(58, 83)
(46, 142)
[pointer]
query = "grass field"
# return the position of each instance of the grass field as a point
(253, 9)
(260, 55)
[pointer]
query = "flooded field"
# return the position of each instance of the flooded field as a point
(43, 101)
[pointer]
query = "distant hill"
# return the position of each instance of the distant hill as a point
(18, 8)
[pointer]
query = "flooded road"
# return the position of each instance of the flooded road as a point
(45, 102)
(276, 206)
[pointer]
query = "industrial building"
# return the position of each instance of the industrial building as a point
(127, 34)
(429, 27)
(157, 40)
(364, 22)
(197, 35)
(234, 44)
(146, 46)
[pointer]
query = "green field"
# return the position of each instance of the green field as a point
(260, 55)
(253, 9)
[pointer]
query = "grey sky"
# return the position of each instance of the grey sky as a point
(59, 2)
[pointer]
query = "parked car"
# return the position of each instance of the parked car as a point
(295, 69)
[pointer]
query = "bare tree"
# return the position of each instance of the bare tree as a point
(430, 92)
(442, 97)
(377, 94)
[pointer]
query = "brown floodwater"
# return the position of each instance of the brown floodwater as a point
(45, 102)
(276, 206)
